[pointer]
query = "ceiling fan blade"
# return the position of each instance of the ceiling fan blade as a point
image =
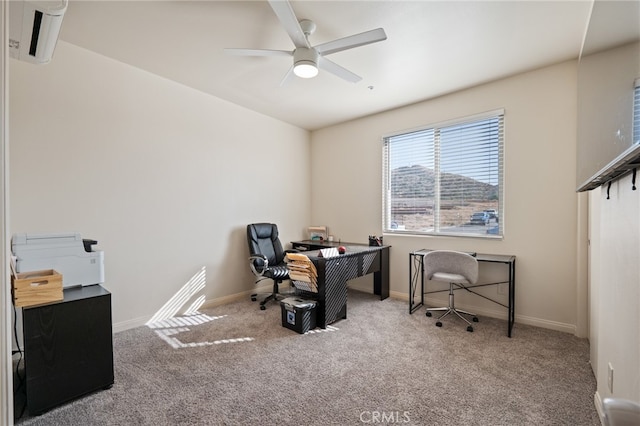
(287, 77)
(336, 69)
(287, 17)
(350, 42)
(257, 52)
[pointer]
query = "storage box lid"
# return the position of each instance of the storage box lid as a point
(298, 302)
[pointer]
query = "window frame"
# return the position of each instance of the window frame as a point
(436, 127)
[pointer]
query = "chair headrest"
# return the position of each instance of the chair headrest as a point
(264, 230)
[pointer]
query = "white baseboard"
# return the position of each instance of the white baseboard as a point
(496, 313)
(129, 324)
(400, 295)
(597, 401)
(219, 301)
(543, 323)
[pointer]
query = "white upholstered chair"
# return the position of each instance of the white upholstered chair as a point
(456, 268)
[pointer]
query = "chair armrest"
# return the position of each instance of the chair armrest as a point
(259, 264)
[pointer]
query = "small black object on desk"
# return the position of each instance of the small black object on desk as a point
(375, 241)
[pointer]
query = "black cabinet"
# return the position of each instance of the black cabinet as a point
(68, 347)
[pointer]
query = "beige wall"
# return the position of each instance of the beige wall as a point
(163, 176)
(540, 200)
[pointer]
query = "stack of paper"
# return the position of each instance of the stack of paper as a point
(302, 272)
(330, 252)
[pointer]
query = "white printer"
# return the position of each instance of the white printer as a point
(67, 253)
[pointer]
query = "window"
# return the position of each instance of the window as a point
(446, 179)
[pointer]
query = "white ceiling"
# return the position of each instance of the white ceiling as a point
(433, 48)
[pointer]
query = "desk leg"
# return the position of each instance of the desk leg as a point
(381, 277)
(512, 295)
(413, 282)
(410, 283)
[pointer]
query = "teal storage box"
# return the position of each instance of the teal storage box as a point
(298, 314)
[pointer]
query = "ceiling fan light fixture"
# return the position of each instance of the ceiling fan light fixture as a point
(305, 62)
(305, 69)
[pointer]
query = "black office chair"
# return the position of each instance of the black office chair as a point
(455, 268)
(266, 258)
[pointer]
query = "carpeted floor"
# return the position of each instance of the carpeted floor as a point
(236, 365)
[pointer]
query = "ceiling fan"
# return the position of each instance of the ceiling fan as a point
(306, 58)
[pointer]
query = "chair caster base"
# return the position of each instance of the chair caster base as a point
(428, 314)
(262, 307)
(470, 329)
(438, 324)
(475, 319)
(253, 299)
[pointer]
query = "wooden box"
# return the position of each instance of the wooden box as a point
(36, 288)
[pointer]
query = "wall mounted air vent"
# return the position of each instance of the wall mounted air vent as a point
(34, 27)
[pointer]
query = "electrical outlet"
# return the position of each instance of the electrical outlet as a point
(610, 377)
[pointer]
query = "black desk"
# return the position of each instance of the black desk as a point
(416, 274)
(334, 272)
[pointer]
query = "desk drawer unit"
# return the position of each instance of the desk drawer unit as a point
(68, 347)
(331, 297)
(334, 270)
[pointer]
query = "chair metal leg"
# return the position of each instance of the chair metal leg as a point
(452, 309)
(445, 314)
(265, 300)
(455, 311)
(275, 296)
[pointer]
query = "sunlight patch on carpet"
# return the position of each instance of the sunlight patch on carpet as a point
(194, 319)
(321, 330)
(169, 329)
(168, 335)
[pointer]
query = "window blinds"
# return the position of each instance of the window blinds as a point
(434, 175)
